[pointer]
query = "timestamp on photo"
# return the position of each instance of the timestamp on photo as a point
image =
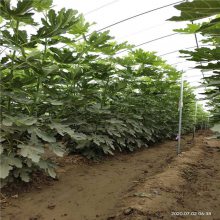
(190, 213)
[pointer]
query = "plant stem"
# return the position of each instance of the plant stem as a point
(39, 82)
(104, 94)
(12, 63)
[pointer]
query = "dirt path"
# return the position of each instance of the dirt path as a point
(129, 185)
(90, 192)
(188, 188)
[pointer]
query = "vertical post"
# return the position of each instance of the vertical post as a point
(207, 125)
(205, 122)
(208, 122)
(195, 119)
(202, 127)
(180, 115)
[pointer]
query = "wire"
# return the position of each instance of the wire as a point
(172, 64)
(175, 51)
(102, 6)
(138, 15)
(129, 18)
(142, 30)
(147, 42)
(184, 62)
(190, 77)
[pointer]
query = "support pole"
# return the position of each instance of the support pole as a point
(202, 127)
(195, 119)
(180, 116)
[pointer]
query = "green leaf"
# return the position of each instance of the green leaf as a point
(51, 172)
(1, 149)
(27, 120)
(12, 160)
(5, 168)
(50, 69)
(43, 135)
(197, 9)
(7, 122)
(23, 173)
(25, 176)
(19, 120)
(57, 149)
(31, 151)
(82, 144)
(64, 56)
(41, 5)
(7, 163)
(190, 29)
(208, 27)
(43, 164)
(57, 24)
(56, 102)
(81, 27)
(65, 129)
(47, 166)
(19, 13)
(106, 150)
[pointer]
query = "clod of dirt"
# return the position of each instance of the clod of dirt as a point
(37, 217)
(3, 199)
(51, 206)
(189, 174)
(64, 214)
(128, 211)
(111, 217)
(14, 196)
(156, 192)
(142, 194)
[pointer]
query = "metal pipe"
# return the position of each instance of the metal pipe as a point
(195, 119)
(180, 116)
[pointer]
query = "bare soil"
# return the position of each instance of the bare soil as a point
(188, 188)
(149, 184)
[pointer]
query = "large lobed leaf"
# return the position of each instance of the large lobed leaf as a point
(197, 9)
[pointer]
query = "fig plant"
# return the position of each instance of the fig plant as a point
(64, 89)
